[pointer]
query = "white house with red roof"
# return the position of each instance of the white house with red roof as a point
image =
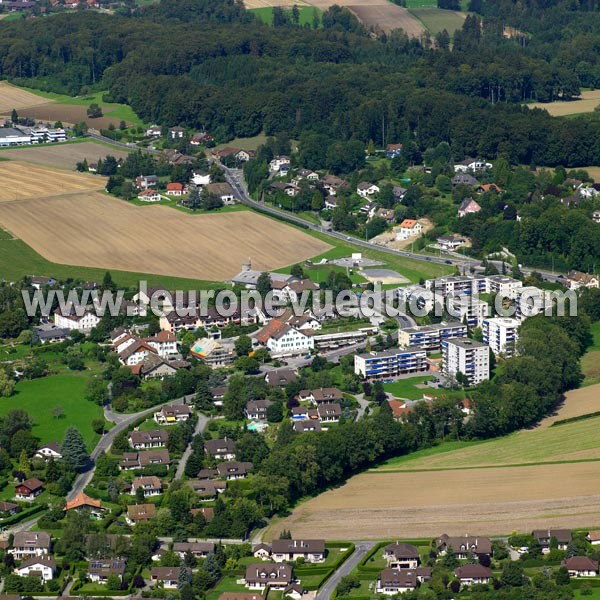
(149, 195)
(409, 228)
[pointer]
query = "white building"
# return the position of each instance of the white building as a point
(41, 566)
(457, 284)
(468, 309)
(11, 136)
(429, 337)
(501, 334)
(472, 164)
(504, 285)
(416, 297)
(164, 342)
(70, 320)
(200, 179)
(390, 363)
(529, 301)
(284, 340)
(366, 189)
(409, 228)
(466, 356)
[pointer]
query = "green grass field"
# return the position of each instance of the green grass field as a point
(590, 361)
(407, 388)
(437, 20)
(410, 4)
(306, 14)
(39, 396)
(571, 442)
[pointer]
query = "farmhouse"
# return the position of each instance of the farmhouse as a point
(312, 551)
(43, 567)
(275, 576)
(140, 512)
(409, 228)
(473, 574)
(68, 318)
(143, 440)
(173, 413)
(30, 543)
(29, 489)
(397, 581)
(48, 451)
(151, 486)
(581, 566)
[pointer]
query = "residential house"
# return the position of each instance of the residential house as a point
(30, 543)
(222, 449)
(137, 513)
(29, 489)
(399, 193)
(223, 191)
(49, 450)
(234, 470)
(581, 566)
(329, 413)
(135, 353)
(464, 546)
(332, 184)
(280, 377)
(173, 413)
(330, 203)
(577, 279)
(48, 333)
(307, 174)
(256, 410)
(473, 574)
(168, 577)
(154, 131)
(198, 549)
(472, 164)
(544, 537)
(8, 508)
(278, 162)
(468, 206)
(205, 474)
(239, 596)
(369, 209)
(262, 551)
(154, 367)
(144, 458)
(43, 567)
(450, 242)
(397, 581)
(287, 188)
(321, 396)
(365, 189)
(218, 393)
(152, 438)
(385, 213)
(304, 426)
(207, 512)
(596, 216)
(284, 340)
(393, 150)
(100, 570)
(175, 189)
(312, 551)
(294, 591)
(276, 576)
(465, 179)
(151, 486)
(144, 182)
(409, 228)
(244, 155)
(83, 503)
(593, 537)
(149, 195)
(207, 490)
(176, 133)
(488, 187)
(69, 319)
(201, 138)
(401, 556)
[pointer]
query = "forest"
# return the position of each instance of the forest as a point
(235, 77)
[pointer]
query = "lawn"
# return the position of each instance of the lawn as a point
(572, 442)
(249, 143)
(38, 397)
(18, 260)
(407, 388)
(410, 4)
(227, 584)
(306, 14)
(590, 361)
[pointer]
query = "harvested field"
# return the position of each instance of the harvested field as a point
(20, 180)
(588, 102)
(64, 156)
(153, 239)
(252, 4)
(387, 17)
(67, 113)
(14, 97)
(437, 19)
(407, 505)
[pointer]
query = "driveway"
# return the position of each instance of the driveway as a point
(200, 427)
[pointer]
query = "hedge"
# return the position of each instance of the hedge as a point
(23, 515)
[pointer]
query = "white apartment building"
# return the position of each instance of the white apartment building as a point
(466, 356)
(69, 320)
(390, 363)
(429, 337)
(504, 285)
(469, 309)
(416, 297)
(501, 334)
(457, 284)
(529, 301)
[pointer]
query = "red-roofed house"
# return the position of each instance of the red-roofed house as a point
(409, 228)
(175, 189)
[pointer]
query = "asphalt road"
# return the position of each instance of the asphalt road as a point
(362, 548)
(200, 427)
